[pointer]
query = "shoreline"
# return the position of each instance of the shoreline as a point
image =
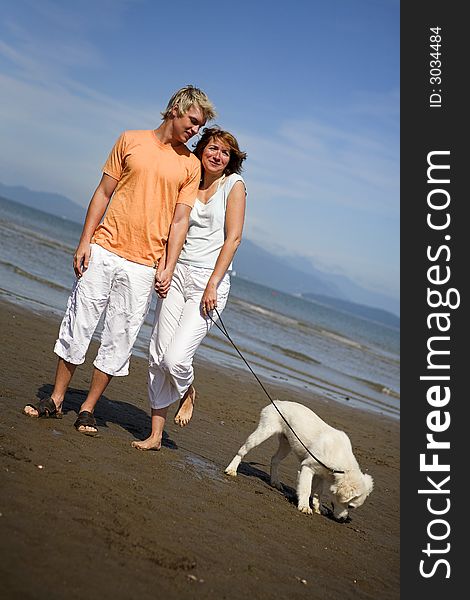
(295, 380)
(103, 519)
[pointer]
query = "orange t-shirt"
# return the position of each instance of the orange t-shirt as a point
(152, 178)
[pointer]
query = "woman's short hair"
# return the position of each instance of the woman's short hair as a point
(186, 97)
(237, 156)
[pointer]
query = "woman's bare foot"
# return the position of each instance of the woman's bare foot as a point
(185, 409)
(151, 443)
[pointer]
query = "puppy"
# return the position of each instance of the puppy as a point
(338, 480)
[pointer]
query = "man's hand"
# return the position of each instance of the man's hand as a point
(81, 258)
(95, 212)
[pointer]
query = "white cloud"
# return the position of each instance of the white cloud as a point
(307, 160)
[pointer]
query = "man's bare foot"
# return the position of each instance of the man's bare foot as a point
(151, 443)
(185, 409)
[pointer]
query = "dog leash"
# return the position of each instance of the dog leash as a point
(224, 331)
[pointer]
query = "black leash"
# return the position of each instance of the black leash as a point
(223, 329)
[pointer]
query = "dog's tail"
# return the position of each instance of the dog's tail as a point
(270, 417)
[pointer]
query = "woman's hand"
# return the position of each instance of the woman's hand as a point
(209, 298)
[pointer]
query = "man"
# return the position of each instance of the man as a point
(152, 179)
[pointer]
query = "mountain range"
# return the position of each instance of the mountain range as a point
(56, 204)
(291, 274)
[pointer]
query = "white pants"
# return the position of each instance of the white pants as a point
(179, 327)
(120, 289)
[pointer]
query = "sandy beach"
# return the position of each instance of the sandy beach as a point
(95, 518)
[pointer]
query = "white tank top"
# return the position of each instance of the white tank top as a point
(206, 233)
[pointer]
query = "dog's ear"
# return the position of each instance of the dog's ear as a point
(345, 488)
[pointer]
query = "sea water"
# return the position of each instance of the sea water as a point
(284, 338)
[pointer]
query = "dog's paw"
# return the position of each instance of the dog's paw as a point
(316, 506)
(305, 509)
(276, 484)
(231, 472)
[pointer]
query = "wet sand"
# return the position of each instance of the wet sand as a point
(86, 517)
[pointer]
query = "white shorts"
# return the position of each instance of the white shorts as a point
(120, 289)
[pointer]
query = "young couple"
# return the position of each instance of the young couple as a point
(173, 220)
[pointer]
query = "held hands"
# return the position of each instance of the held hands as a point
(81, 258)
(163, 282)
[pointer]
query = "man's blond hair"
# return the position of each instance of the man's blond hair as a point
(186, 97)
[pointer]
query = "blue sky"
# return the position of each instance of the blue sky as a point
(310, 88)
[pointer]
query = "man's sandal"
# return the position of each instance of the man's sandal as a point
(45, 408)
(86, 419)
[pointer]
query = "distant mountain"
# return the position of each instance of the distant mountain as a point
(56, 204)
(348, 289)
(256, 264)
(295, 275)
(366, 312)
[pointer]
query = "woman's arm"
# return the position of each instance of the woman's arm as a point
(178, 231)
(95, 212)
(234, 219)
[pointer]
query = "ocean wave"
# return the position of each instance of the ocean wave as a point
(31, 303)
(306, 327)
(265, 312)
(379, 387)
(272, 369)
(8, 227)
(47, 282)
(341, 338)
(301, 375)
(294, 354)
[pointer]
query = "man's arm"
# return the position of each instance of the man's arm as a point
(178, 231)
(95, 212)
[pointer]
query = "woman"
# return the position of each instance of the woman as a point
(200, 281)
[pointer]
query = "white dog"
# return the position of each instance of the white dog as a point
(338, 479)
